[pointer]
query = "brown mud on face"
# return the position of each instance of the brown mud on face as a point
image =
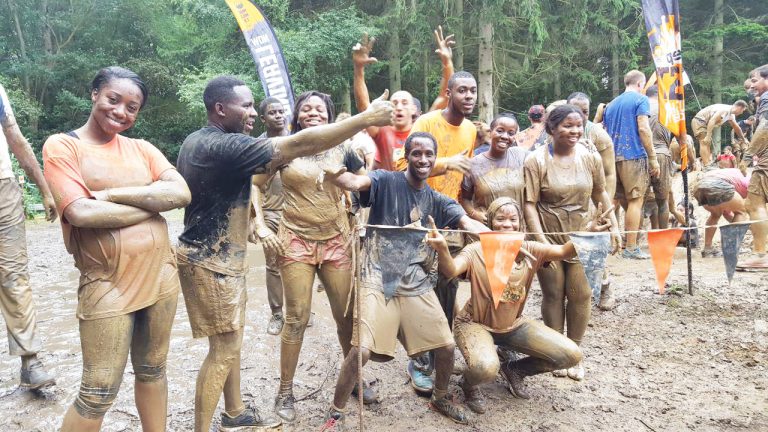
(675, 362)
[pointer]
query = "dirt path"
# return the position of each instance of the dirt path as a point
(663, 363)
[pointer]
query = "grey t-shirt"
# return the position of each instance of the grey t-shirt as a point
(394, 202)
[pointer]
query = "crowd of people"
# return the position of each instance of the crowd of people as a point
(307, 188)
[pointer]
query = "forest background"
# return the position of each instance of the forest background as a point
(523, 52)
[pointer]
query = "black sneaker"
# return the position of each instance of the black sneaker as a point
(35, 377)
(448, 409)
(250, 417)
(515, 379)
(284, 407)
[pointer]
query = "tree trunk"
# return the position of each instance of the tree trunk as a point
(615, 71)
(717, 53)
(425, 83)
(394, 62)
(346, 99)
(458, 31)
(22, 44)
(485, 66)
(557, 84)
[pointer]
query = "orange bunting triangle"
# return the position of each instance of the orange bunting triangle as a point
(499, 252)
(662, 246)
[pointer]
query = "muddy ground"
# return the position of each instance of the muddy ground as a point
(656, 363)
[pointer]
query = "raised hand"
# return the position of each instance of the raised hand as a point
(381, 111)
(434, 239)
(362, 50)
(444, 45)
(600, 221)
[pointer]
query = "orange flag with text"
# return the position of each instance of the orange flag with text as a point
(662, 244)
(499, 252)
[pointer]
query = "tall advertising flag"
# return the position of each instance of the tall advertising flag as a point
(266, 52)
(662, 21)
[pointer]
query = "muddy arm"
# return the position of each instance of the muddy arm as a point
(320, 138)
(90, 213)
(20, 148)
(169, 192)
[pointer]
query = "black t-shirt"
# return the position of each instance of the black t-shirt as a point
(394, 202)
(217, 167)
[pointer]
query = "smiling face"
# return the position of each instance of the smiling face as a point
(503, 133)
(758, 84)
(238, 114)
(463, 95)
(404, 110)
(116, 105)
(568, 132)
(422, 158)
(506, 219)
(274, 117)
(312, 112)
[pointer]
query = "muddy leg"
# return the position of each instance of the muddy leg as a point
(149, 350)
(105, 344)
(337, 283)
(223, 354)
(578, 309)
(297, 284)
(348, 377)
(552, 281)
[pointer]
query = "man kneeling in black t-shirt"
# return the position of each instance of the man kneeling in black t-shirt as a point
(413, 315)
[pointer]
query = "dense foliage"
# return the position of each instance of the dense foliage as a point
(541, 51)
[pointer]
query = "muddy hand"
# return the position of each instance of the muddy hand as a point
(381, 111)
(434, 239)
(273, 245)
(600, 221)
(459, 163)
(362, 50)
(50, 209)
(332, 174)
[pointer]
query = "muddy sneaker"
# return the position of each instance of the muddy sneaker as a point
(607, 302)
(35, 377)
(515, 379)
(576, 373)
(275, 325)
(370, 395)
(474, 398)
(711, 253)
(334, 421)
(247, 419)
(448, 409)
(635, 253)
(420, 381)
(284, 407)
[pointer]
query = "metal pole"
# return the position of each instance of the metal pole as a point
(688, 231)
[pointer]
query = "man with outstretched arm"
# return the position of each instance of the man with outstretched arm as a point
(217, 163)
(15, 293)
(707, 122)
(413, 316)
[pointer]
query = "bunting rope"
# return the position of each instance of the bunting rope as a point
(421, 228)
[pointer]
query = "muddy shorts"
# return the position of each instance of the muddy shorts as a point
(713, 191)
(417, 322)
(663, 183)
(336, 251)
(215, 302)
(758, 185)
(632, 178)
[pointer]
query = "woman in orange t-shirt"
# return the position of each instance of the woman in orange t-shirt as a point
(110, 191)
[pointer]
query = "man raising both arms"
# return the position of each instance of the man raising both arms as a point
(217, 163)
(389, 139)
(626, 121)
